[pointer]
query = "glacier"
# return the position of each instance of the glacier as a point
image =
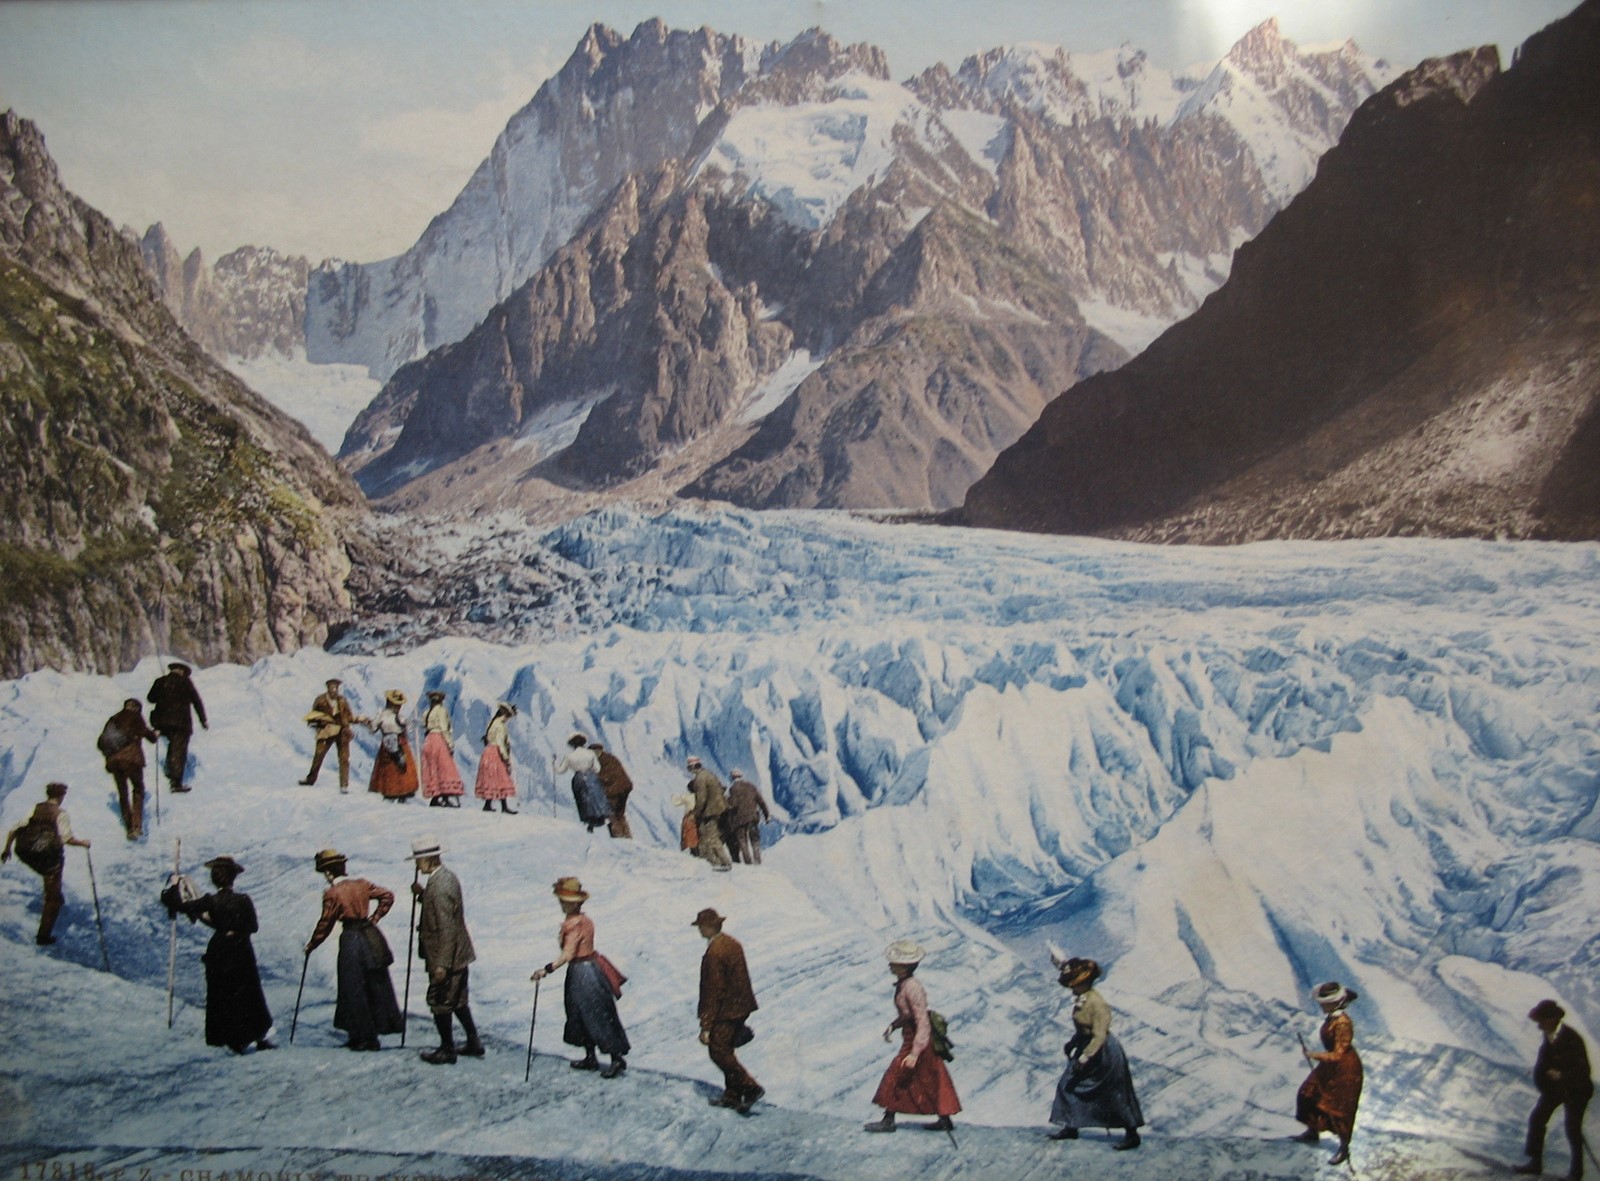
(1226, 774)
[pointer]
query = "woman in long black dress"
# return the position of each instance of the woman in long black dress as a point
(236, 1008)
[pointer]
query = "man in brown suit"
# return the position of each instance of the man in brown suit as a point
(334, 723)
(617, 784)
(126, 763)
(726, 999)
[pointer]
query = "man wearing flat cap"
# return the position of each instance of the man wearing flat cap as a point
(726, 999)
(173, 698)
(334, 721)
(446, 949)
(1561, 1072)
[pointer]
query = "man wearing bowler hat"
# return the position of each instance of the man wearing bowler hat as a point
(173, 698)
(1561, 1072)
(446, 949)
(726, 999)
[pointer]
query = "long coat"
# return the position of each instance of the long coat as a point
(442, 937)
(1562, 1068)
(173, 695)
(725, 991)
(1327, 1100)
(236, 1008)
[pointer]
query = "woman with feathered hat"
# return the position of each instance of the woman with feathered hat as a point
(236, 1008)
(1096, 1089)
(916, 1082)
(592, 988)
(1328, 1098)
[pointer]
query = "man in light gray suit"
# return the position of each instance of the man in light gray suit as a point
(446, 949)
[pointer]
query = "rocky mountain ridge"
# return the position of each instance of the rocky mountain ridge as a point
(1408, 348)
(865, 290)
(157, 505)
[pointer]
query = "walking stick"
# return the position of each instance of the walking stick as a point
(172, 937)
(158, 781)
(105, 956)
(534, 1020)
(411, 936)
(293, 1025)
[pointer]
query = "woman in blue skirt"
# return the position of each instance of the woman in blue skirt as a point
(1095, 1090)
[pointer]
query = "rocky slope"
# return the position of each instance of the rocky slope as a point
(250, 303)
(850, 292)
(1409, 348)
(155, 504)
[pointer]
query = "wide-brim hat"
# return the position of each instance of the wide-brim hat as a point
(905, 951)
(225, 861)
(570, 890)
(1079, 970)
(394, 697)
(1546, 1010)
(1334, 995)
(708, 917)
(329, 858)
(505, 707)
(426, 847)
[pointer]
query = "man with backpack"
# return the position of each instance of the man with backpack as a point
(41, 846)
(122, 742)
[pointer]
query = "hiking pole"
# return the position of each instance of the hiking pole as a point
(534, 1020)
(293, 1025)
(411, 936)
(105, 956)
(172, 937)
(157, 781)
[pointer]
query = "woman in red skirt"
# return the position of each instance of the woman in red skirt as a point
(1328, 1098)
(916, 1082)
(394, 768)
(494, 767)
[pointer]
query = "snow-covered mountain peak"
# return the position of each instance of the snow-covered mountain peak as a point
(1262, 52)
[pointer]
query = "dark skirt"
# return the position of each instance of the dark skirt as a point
(236, 1008)
(590, 796)
(1327, 1100)
(366, 1005)
(1100, 1095)
(591, 1010)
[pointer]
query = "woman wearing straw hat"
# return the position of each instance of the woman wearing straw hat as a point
(916, 1082)
(236, 1008)
(494, 766)
(366, 1006)
(1096, 1089)
(441, 780)
(394, 771)
(1328, 1098)
(592, 988)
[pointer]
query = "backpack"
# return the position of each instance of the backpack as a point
(940, 1043)
(38, 843)
(111, 739)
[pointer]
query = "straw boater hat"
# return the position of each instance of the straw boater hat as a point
(505, 707)
(425, 847)
(1334, 995)
(329, 859)
(708, 916)
(570, 890)
(905, 951)
(225, 861)
(395, 697)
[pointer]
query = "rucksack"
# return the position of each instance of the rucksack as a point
(111, 739)
(38, 844)
(942, 1046)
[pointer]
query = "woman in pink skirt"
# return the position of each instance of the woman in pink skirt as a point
(916, 1082)
(441, 782)
(494, 768)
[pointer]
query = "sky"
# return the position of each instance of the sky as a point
(340, 129)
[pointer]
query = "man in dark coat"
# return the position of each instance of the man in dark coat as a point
(334, 721)
(746, 810)
(41, 845)
(614, 781)
(1561, 1072)
(710, 802)
(446, 949)
(173, 697)
(127, 729)
(726, 999)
